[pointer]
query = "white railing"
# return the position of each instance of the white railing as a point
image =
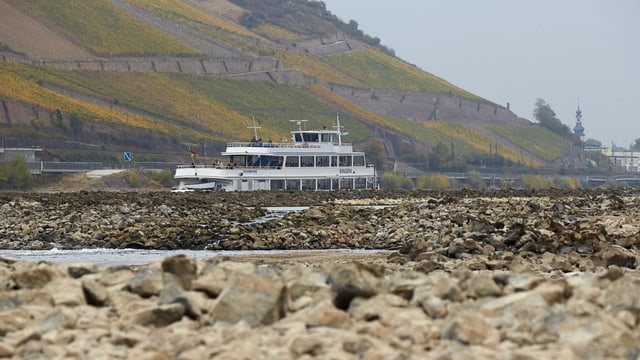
(280, 145)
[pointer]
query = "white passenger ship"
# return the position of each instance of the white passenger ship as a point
(314, 160)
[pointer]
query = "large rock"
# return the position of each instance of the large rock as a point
(352, 280)
(183, 268)
(33, 277)
(147, 282)
(471, 328)
(214, 275)
(156, 315)
(323, 313)
(254, 299)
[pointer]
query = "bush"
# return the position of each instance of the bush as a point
(436, 181)
(566, 182)
(535, 182)
(15, 174)
(164, 177)
(394, 182)
(475, 180)
(133, 179)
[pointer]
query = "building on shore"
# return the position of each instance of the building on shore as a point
(626, 159)
(30, 154)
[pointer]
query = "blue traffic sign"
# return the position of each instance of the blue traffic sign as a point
(127, 156)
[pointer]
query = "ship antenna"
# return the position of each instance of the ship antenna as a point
(339, 129)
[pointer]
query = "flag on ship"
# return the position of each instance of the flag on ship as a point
(193, 153)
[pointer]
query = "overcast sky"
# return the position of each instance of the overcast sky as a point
(562, 51)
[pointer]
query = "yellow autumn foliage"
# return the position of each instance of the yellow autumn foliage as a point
(30, 92)
(103, 27)
(379, 70)
(472, 137)
(314, 68)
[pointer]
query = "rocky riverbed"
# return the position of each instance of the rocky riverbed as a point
(507, 274)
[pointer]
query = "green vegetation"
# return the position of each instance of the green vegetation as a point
(303, 17)
(132, 179)
(185, 14)
(547, 118)
(15, 175)
(164, 178)
(475, 180)
(467, 140)
(394, 182)
(566, 182)
(103, 27)
(436, 181)
(127, 107)
(535, 182)
(534, 139)
(222, 108)
(378, 70)
(18, 84)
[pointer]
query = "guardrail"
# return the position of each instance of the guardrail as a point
(53, 167)
(62, 167)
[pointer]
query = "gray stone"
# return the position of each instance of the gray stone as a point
(183, 267)
(256, 300)
(95, 293)
(147, 282)
(349, 281)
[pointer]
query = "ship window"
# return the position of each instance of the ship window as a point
(346, 183)
(275, 161)
(324, 184)
(361, 183)
(335, 184)
(345, 160)
(310, 137)
(292, 161)
(298, 137)
(306, 161)
(334, 161)
(358, 160)
(293, 184)
(322, 161)
(326, 137)
(308, 184)
(277, 184)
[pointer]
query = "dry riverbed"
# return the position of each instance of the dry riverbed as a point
(530, 275)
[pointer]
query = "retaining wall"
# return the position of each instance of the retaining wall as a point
(428, 106)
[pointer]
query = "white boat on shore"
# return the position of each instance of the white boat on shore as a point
(313, 160)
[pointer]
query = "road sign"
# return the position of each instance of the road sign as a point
(127, 156)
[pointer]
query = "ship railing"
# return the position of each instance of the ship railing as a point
(278, 145)
(227, 166)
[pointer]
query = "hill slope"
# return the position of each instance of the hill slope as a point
(161, 76)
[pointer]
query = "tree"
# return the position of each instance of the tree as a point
(547, 118)
(374, 149)
(636, 145)
(15, 174)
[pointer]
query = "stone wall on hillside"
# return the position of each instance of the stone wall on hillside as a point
(429, 106)
(186, 65)
(331, 44)
(12, 112)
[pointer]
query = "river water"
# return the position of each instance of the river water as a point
(116, 257)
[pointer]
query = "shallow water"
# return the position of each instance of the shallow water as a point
(116, 257)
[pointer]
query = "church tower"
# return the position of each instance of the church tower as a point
(579, 129)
